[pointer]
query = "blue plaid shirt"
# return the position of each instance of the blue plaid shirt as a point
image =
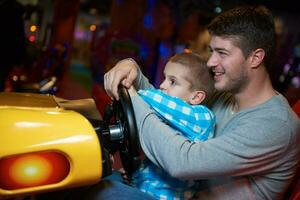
(196, 122)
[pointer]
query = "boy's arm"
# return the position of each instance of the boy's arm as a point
(196, 122)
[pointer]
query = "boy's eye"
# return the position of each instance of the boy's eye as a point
(172, 82)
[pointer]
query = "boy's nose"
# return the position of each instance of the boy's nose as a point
(162, 86)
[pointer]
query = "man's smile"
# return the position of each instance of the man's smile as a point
(217, 74)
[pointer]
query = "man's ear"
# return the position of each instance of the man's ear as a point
(257, 57)
(197, 97)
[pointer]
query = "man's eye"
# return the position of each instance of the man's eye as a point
(222, 53)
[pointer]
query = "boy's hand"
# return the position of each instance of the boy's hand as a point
(124, 72)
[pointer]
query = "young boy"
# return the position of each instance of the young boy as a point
(187, 84)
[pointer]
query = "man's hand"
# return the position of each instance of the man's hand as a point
(132, 91)
(124, 72)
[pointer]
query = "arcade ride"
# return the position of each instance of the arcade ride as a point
(50, 144)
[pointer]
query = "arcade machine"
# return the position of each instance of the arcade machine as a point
(50, 144)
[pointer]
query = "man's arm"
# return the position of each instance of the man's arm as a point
(231, 154)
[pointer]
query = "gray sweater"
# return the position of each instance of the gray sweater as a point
(253, 155)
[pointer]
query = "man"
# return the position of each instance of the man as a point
(255, 152)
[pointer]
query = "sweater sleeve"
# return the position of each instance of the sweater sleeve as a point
(231, 154)
(141, 82)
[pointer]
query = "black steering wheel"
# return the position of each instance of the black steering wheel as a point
(122, 131)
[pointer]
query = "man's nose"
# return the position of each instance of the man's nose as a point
(212, 61)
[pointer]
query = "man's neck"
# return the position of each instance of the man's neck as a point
(254, 94)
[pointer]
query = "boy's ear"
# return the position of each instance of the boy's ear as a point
(197, 97)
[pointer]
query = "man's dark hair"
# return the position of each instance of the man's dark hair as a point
(253, 27)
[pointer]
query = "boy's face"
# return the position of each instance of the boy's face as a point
(175, 83)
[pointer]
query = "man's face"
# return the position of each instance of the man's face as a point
(175, 83)
(228, 65)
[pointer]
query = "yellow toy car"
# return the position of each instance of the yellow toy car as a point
(49, 144)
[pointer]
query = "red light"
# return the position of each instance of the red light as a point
(32, 169)
(31, 38)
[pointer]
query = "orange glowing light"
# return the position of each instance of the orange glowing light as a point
(33, 28)
(33, 169)
(93, 27)
(30, 170)
(186, 50)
